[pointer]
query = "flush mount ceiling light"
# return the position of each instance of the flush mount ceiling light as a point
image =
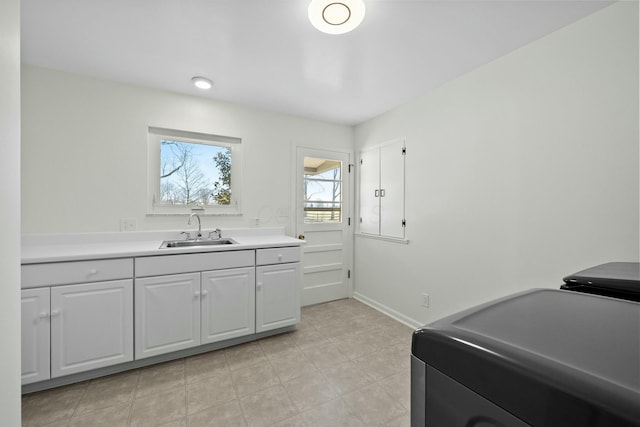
(336, 16)
(202, 82)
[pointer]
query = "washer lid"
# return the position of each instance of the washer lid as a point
(624, 276)
(524, 351)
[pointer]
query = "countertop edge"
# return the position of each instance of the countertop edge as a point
(108, 249)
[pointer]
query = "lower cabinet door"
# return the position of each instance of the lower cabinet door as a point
(277, 296)
(35, 335)
(228, 304)
(167, 314)
(91, 326)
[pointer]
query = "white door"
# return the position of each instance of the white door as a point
(277, 297)
(167, 313)
(35, 335)
(370, 191)
(228, 304)
(324, 220)
(91, 326)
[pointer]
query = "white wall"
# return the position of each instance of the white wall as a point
(518, 173)
(10, 213)
(84, 153)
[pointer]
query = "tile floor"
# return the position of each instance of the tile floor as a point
(346, 365)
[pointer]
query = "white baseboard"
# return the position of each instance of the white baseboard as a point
(412, 323)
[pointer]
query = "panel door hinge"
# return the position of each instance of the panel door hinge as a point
(404, 151)
(350, 166)
(404, 223)
(348, 274)
(360, 161)
(349, 221)
(360, 220)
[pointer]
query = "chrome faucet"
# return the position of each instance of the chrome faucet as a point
(199, 235)
(217, 234)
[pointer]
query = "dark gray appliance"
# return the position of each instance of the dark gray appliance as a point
(543, 357)
(613, 279)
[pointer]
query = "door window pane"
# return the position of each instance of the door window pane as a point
(322, 190)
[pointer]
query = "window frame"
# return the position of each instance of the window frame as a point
(307, 177)
(154, 137)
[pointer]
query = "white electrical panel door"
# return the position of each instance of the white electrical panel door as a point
(91, 326)
(167, 314)
(392, 190)
(277, 296)
(370, 191)
(382, 190)
(228, 304)
(35, 335)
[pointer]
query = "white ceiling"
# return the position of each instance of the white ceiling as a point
(266, 54)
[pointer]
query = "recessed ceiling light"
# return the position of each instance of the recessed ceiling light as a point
(336, 16)
(202, 82)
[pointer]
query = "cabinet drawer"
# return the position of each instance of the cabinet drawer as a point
(187, 263)
(62, 273)
(277, 255)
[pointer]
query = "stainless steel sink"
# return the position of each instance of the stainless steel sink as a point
(196, 243)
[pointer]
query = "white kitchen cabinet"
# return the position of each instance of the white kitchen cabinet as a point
(35, 335)
(167, 313)
(91, 326)
(227, 304)
(277, 288)
(382, 190)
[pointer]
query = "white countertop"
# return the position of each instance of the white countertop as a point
(38, 248)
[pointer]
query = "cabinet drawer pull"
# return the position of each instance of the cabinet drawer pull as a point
(196, 294)
(259, 285)
(205, 293)
(44, 315)
(55, 313)
(93, 271)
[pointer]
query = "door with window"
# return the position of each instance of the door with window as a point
(323, 220)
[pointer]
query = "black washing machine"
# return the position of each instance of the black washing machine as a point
(544, 357)
(613, 279)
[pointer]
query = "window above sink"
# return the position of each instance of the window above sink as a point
(190, 171)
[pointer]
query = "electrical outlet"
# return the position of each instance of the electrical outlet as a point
(127, 224)
(425, 300)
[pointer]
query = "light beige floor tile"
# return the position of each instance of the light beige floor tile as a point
(335, 413)
(403, 420)
(205, 365)
(310, 338)
(51, 406)
(160, 408)
(159, 378)
(277, 344)
(244, 356)
(182, 422)
(109, 391)
(253, 379)
(325, 356)
(291, 364)
(227, 414)
(295, 421)
(373, 405)
(353, 346)
(113, 416)
(267, 407)
(347, 377)
(398, 386)
(309, 390)
(378, 366)
(212, 391)
(59, 423)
